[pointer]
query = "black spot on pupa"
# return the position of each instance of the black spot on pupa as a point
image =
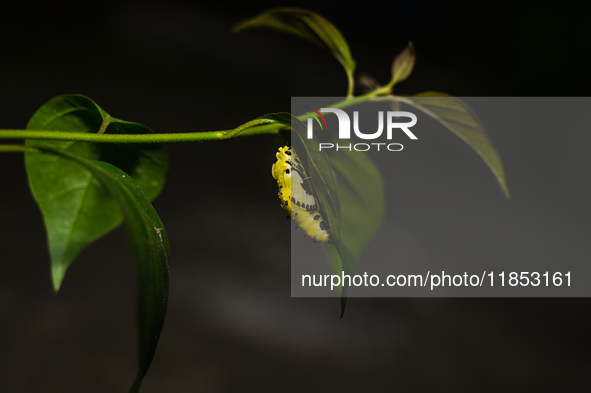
(298, 203)
(317, 216)
(306, 186)
(286, 203)
(287, 171)
(288, 152)
(292, 199)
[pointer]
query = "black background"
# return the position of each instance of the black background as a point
(232, 326)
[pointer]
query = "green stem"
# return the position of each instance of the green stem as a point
(249, 128)
(351, 83)
(18, 149)
(255, 127)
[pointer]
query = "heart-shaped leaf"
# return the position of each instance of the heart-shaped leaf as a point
(75, 207)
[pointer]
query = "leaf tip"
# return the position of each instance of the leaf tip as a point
(57, 277)
(343, 305)
(500, 175)
(505, 189)
(239, 26)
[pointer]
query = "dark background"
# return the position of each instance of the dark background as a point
(232, 326)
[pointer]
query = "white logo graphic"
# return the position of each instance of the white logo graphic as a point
(345, 129)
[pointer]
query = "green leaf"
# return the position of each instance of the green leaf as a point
(457, 117)
(361, 195)
(350, 192)
(323, 179)
(75, 207)
(362, 198)
(403, 65)
(349, 264)
(149, 245)
(310, 26)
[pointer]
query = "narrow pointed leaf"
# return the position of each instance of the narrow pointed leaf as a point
(350, 192)
(361, 196)
(457, 117)
(149, 245)
(76, 210)
(349, 264)
(308, 25)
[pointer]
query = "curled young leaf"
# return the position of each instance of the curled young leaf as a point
(367, 83)
(403, 65)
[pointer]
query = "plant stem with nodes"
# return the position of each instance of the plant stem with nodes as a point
(259, 126)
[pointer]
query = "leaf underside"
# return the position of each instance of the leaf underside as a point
(457, 117)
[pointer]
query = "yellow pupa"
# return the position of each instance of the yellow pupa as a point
(296, 195)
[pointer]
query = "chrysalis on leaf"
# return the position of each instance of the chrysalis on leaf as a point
(297, 196)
